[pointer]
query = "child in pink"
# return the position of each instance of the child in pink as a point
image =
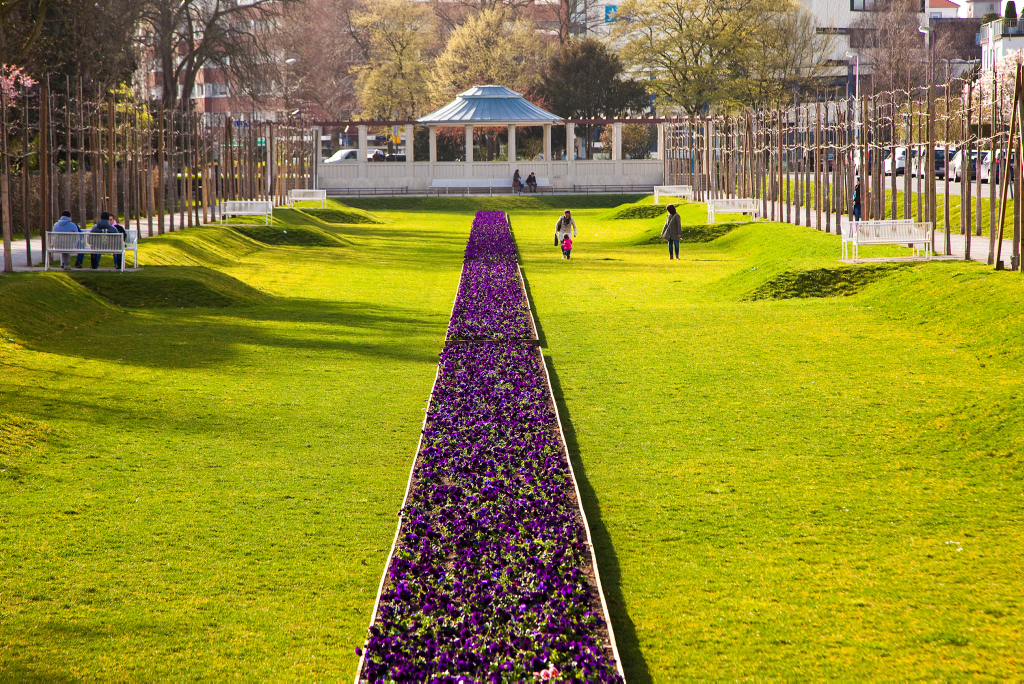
(566, 246)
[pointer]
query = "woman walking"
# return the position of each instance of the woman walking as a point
(672, 232)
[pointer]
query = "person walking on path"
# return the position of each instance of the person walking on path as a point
(104, 226)
(672, 232)
(517, 182)
(564, 225)
(856, 201)
(566, 246)
(65, 225)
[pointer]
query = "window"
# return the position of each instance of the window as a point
(862, 5)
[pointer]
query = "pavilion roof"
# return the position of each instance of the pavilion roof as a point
(490, 105)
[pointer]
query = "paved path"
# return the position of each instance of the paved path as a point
(979, 244)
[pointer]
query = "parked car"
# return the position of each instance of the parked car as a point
(897, 162)
(956, 166)
(940, 163)
(343, 155)
(994, 173)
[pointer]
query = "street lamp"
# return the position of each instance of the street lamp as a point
(929, 44)
(288, 62)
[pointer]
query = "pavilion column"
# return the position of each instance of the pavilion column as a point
(408, 144)
(547, 143)
(512, 143)
(617, 141)
(570, 151)
(469, 144)
(661, 141)
(361, 128)
(433, 143)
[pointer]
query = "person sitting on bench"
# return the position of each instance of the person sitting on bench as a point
(531, 182)
(103, 226)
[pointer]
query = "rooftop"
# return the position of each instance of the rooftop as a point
(491, 105)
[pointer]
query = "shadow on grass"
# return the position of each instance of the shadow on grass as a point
(608, 561)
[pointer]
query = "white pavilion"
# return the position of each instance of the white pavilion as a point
(491, 106)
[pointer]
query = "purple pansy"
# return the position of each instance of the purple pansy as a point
(488, 581)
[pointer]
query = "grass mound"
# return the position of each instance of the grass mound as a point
(637, 211)
(294, 236)
(210, 245)
(341, 215)
(821, 282)
(489, 203)
(170, 286)
(695, 233)
(17, 437)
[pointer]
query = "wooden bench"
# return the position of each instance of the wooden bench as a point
(93, 243)
(744, 205)
(264, 208)
(899, 232)
(307, 196)
(681, 191)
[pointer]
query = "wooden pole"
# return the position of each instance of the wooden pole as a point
(44, 159)
(1004, 175)
(5, 189)
(160, 174)
(26, 224)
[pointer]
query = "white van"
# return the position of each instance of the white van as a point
(343, 155)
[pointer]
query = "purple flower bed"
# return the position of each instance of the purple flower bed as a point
(488, 581)
(490, 303)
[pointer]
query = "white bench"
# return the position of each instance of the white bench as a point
(744, 205)
(489, 184)
(308, 196)
(899, 232)
(93, 243)
(264, 208)
(682, 191)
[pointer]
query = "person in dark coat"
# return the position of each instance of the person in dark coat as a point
(856, 201)
(531, 182)
(517, 182)
(104, 226)
(672, 232)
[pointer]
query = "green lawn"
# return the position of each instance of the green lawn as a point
(201, 463)
(792, 488)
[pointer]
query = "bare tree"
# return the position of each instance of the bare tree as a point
(891, 44)
(324, 50)
(187, 35)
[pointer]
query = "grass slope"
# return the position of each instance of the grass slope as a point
(813, 487)
(202, 493)
(790, 486)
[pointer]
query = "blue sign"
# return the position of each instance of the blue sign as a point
(609, 13)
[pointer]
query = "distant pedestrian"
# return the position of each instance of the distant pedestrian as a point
(517, 182)
(672, 232)
(563, 227)
(566, 247)
(65, 225)
(856, 201)
(104, 226)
